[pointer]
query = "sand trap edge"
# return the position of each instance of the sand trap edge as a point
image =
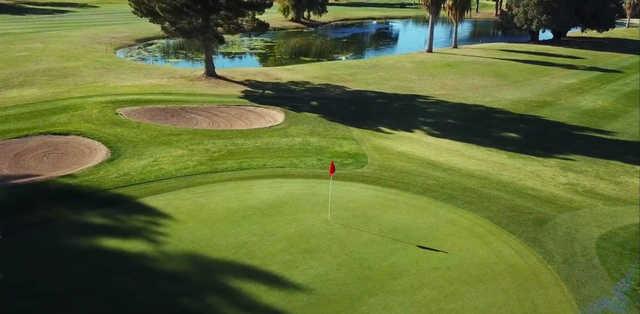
(206, 116)
(100, 150)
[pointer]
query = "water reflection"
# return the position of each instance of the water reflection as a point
(342, 41)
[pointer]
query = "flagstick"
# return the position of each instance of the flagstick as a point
(330, 190)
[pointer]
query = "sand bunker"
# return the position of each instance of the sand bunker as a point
(38, 158)
(207, 117)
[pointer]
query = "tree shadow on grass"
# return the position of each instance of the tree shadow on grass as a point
(55, 259)
(467, 123)
(542, 54)
(40, 8)
(566, 66)
(19, 9)
(604, 44)
(58, 4)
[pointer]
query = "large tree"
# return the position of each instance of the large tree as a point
(529, 15)
(597, 15)
(434, 7)
(203, 20)
(457, 9)
(560, 16)
(299, 9)
(564, 16)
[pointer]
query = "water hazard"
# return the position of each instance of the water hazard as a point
(340, 41)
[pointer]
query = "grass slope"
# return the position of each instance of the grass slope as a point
(541, 141)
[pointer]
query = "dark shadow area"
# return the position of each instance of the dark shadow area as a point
(566, 66)
(40, 8)
(542, 54)
(57, 4)
(5, 180)
(55, 259)
(468, 123)
(390, 5)
(422, 247)
(19, 9)
(618, 45)
(309, 23)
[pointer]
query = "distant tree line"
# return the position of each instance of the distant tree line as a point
(560, 16)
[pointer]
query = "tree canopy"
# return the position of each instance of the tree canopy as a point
(203, 20)
(560, 16)
(299, 9)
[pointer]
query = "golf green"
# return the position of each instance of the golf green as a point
(366, 258)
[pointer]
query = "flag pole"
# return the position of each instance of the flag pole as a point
(330, 190)
(332, 172)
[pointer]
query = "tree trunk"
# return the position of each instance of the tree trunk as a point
(628, 21)
(496, 8)
(534, 36)
(432, 26)
(209, 66)
(558, 34)
(477, 6)
(455, 35)
(298, 15)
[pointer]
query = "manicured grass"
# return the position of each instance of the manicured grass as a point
(364, 260)
(536, 145)
(619, 252)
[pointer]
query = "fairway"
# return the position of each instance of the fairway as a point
(365, 259)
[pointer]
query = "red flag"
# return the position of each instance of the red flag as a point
(332, 169)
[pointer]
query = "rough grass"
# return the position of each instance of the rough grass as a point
(540, 140)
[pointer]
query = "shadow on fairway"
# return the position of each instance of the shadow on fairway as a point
(566, 66)
(541, 54)
(604, 44)
(468, 123)
(58, 4)
(55, 259)
(40, 8)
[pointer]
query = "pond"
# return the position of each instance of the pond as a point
(339, 41)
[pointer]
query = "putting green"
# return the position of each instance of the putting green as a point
(365, 260)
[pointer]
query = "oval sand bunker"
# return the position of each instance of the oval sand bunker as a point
(36, 158)
(214, 117)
